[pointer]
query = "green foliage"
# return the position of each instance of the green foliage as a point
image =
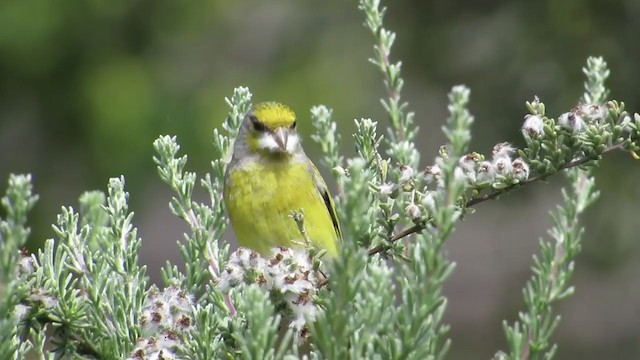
(17, 202)
(530, 336)
(84, 294)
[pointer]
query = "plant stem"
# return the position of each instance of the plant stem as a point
(494, 194)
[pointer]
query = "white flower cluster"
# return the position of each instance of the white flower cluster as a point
(501, 169)
(42, 297)
(574, 121)
(473, 171)
(434, 174)
(38, 298)
(170, 309)
(533, 125)
(26, 264)
(165, 315)
(288, 275)
(405, 183)
(26, 267)
(161, 347)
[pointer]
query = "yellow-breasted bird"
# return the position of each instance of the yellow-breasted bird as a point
(269, 177)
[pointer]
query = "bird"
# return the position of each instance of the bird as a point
(269, 179)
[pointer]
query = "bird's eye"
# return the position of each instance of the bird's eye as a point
(257, 125)
(293, 126)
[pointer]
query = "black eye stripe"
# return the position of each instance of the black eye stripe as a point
(257, 125)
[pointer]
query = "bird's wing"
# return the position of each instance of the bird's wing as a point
(321, 186)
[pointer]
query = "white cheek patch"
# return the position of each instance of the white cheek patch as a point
(292, 143)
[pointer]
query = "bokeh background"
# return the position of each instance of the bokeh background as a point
(85, 87)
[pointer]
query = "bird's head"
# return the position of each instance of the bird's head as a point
(270, 129)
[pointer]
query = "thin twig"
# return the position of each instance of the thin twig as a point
(298, 217)
(494, 194)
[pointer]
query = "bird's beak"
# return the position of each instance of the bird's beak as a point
(280, 136)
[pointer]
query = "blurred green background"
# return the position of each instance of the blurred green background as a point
(85, 87)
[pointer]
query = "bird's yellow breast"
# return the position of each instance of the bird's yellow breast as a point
(261, 197)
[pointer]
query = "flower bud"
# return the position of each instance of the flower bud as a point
(26, 265)
(520, 169)
(503, 149)
(625, 123)
(502, 165)
(533, 125)
(486, 172)
(468, 162)
(339, 170)
(572, 122)
(594, 113)
(413, 211)
(21, 311)
(388, 190)
(406, 174)
(429, 201)
(432, 173)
